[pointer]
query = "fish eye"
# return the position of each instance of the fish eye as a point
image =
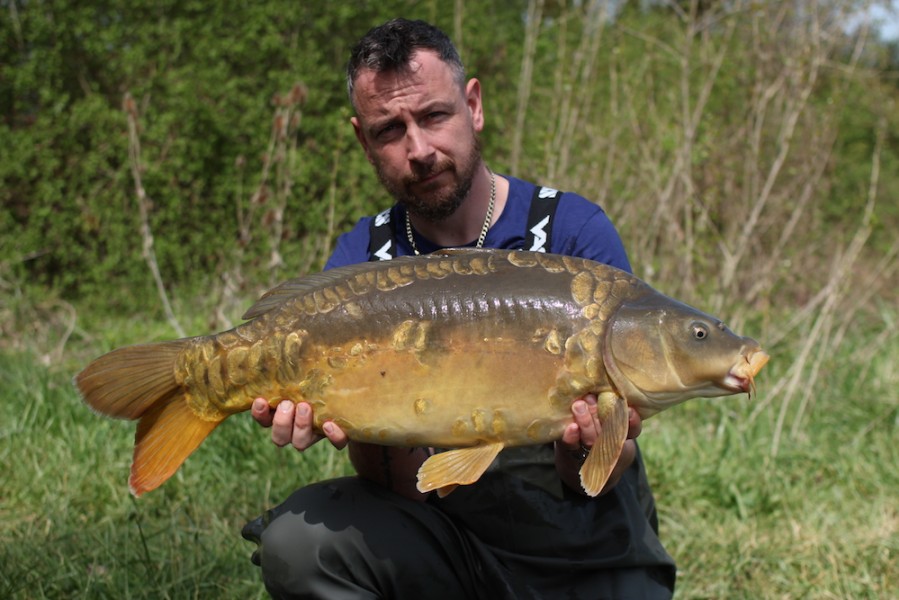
(700, 331)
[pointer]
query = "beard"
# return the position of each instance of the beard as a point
(441, 203)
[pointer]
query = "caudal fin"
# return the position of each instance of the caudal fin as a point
(166, 435)
(138, 382)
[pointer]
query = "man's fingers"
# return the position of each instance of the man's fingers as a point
(571, 437)
(335, 434)
(282, 423)
(302, 434)
(262, 412)
(634, 423)
(581, 433)
(585, 418)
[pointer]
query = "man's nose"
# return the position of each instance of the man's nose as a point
(418, 145)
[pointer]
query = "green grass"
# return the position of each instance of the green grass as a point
(820, 519)
(70, 528)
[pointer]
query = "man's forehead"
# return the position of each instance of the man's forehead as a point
(424, 71)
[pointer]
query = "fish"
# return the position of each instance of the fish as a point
(468, 351)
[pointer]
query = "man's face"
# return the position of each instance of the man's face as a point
(419, 129)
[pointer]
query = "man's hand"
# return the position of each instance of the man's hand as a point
(582, 434)
(394, 468)
(292, 424)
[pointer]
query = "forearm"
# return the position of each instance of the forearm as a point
(568, 465)
(392, 467)
(582, 434)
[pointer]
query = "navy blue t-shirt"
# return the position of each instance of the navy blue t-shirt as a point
(580, 228)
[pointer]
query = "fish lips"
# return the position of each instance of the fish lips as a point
(741, 377)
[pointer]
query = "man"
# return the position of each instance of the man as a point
(526, 529)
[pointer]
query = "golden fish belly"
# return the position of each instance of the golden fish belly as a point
(479, 391)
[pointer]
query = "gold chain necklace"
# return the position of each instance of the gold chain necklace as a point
(484, 229)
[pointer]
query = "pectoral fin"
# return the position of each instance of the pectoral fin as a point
(446, 471)
(605, 452)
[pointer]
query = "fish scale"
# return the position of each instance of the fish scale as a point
(472, 350)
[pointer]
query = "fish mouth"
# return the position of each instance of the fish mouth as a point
(741, 377)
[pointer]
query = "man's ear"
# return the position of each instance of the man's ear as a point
(357, 129)
(473, 100)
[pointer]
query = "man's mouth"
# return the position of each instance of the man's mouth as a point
(428, 179)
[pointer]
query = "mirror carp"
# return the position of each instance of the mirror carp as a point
(467, 350)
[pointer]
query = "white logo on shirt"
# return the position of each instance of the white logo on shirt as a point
(382, 217)
(540, 235)
(383, 252)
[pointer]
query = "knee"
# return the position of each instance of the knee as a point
(295, 544)
(313, 540)
(290, 551)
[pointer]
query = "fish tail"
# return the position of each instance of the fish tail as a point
(138, 382)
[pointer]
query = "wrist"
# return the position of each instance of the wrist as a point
(568, 465)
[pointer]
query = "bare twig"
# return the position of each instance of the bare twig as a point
(574, 105)
(332, 205)
(148, 253)
(16, 25)
(532, 28)
(837, 287)
(265, 211)
(286, 122)
(458, 30)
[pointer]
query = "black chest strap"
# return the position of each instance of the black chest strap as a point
(382, 238)
(537, 236)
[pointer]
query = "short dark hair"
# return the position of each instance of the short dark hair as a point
(390, 46)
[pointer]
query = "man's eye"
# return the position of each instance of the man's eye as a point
(387, 131)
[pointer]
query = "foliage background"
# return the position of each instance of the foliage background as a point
(671, 119)
(747, 151)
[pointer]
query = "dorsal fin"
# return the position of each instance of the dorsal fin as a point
(292, 288)
(298, 286)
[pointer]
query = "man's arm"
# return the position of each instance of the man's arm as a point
(391, 467)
